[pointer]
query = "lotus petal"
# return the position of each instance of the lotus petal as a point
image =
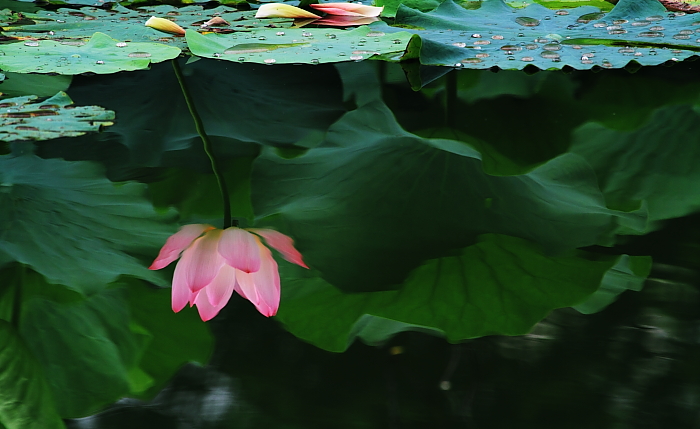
(280, 10)
(281, 243)
(178, 242)
(165, 25)
(348, 9)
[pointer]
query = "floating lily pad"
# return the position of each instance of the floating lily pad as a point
(584, 37)
(305, 46)
(127, 25)
(26, 118)
(101, 54)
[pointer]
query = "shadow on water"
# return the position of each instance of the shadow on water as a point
(632, 364)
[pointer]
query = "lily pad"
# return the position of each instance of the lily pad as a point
(72, 225)
(127, 25)
(25, 118)
(584, 37)
(304, 46)
(102, 54)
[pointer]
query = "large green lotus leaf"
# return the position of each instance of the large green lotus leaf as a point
(127, 25)
(176, 338)
(235, 102)
(26, 401)
(500, 286)
(88, 347)
(375, 331)
(382, 200)
(299, 46)
(72, 225)
(101, 55)
(499, 35)
(629, 273)
(26, 118)
(656, 163)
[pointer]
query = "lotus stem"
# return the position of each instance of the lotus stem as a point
(199, 125)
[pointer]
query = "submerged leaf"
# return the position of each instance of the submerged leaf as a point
(26, 402)
(72, 225)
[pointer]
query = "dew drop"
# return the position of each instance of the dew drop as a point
(600, 25)
(482, 55)
(396, 42)
(270, 61)
(31, 43)
(656, 28)
(460, 44)
(552, 47)
(306, 34)
(549, 55)
(280, 33)
(482, 42)
(51, 33)
(640, 23)
(585, 19)
(139, 54)
(626, 50)
(100, 62)
(121, 44)
(314, 61)
(375, 34)
(333, 36)
(262, 38)
(527, 59)
(526, 21)
(497, 37)
(654, 18)
(476, 36)
(681, 36)
(531, 46)
(241, 59)
(511, 48)
(620, 21)
(561, 12)
(541, 40)
(618, 31)
(651, 34)
(471, 60)
(356, 57)
(685, 32)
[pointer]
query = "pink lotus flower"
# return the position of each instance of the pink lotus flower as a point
(348, 9)
(216, 262)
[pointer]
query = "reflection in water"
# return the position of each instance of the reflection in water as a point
(382, 187)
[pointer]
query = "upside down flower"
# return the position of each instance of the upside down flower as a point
(216, 262)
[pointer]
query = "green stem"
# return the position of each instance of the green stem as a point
(207, 146)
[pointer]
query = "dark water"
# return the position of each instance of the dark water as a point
(631, 365)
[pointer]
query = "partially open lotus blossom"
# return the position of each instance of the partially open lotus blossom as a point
(281, 10)
(348, 9)
(217, 262)
(165, 25)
